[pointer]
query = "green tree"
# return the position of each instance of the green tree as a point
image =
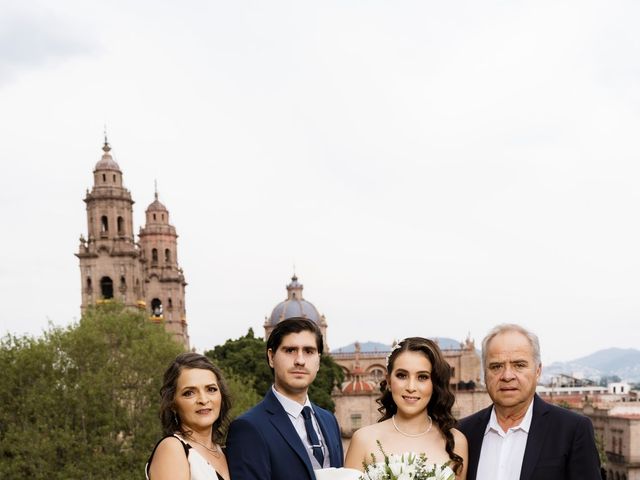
(82, 401)
(245, 359)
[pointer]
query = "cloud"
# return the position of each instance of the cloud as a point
(32, 39)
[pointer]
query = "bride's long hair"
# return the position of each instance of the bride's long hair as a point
(442, 398)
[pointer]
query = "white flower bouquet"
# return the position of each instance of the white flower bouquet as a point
(406, 466)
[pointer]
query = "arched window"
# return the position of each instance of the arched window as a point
(154, 216)
(106, 287)
(154, 255)
(167, 255)
(89, 285)
(120, 226)
(376, 374)
(104, 177)
(114, 178)
(123, 284)
(156, 308)
(104, 224)
(169, 304)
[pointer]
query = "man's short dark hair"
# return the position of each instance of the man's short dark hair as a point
(293, 325)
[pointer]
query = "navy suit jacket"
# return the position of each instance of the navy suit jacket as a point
(263, 444)
(560, 444)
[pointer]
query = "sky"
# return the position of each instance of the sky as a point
(429, 168)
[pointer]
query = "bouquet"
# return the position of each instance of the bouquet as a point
(406, 466)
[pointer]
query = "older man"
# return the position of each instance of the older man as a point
(521, 437)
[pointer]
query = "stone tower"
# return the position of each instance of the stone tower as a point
(113, 266)
(164, 279)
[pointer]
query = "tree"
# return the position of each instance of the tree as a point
(245, 359)
(82, 401)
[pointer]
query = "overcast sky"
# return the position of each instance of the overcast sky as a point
(431, 168)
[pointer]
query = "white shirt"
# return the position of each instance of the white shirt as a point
(294, 411)
(502, 452)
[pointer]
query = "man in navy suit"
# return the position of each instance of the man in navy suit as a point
(521, 437)
(286, 437)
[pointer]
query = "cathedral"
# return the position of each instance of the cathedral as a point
(364, 368)
(144, 274)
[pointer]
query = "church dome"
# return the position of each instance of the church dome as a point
(357, 385)
(156, 206)
(107, 162)
(294, 306)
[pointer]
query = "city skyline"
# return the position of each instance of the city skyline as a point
(429, 169)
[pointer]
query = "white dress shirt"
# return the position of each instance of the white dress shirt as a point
(502, 452)
(294, 411)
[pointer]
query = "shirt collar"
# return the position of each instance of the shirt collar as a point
(292, 407)
(524, 425)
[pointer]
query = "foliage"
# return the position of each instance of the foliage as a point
(245, 359)
(82, 401)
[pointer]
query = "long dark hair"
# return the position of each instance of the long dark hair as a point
(171, 421)
(442, 398)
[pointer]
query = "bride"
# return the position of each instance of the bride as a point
(416, 406)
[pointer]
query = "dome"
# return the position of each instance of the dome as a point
(156, 206)
(107, 162)
(294, 306)
(358, 386)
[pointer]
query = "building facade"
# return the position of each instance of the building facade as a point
(363, 369)
(143, 274)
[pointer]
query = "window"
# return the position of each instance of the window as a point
(89, 285)
(169, 304)
(104, 224)
(156, 308)
(104, 177)
(154, 255)
(356, 421)
(106, 287)
(167, 255)
(120, 226)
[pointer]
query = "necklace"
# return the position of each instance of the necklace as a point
(215, 450)
(393, 420)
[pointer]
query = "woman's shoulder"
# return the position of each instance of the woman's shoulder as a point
(169, 457)
(366, 432)
(458, 436)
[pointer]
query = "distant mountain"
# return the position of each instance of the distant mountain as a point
(444, 343)
(621, 362)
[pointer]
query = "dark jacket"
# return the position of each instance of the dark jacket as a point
(263, 444)
(560, 444)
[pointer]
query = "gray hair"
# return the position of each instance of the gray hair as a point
(511, 327)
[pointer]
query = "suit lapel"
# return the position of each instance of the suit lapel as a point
(280, 420)
(475, 440)
(535, 438)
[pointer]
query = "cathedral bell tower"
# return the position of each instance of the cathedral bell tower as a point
(164, 279)
(109, 259)
(113, 266)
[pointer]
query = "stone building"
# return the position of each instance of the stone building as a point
(143, 274)
(617, 428)
(295, 306)
(363, 369)
(615, 413)
(355, 401)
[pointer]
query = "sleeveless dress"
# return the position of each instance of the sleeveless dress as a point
(200, 468)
